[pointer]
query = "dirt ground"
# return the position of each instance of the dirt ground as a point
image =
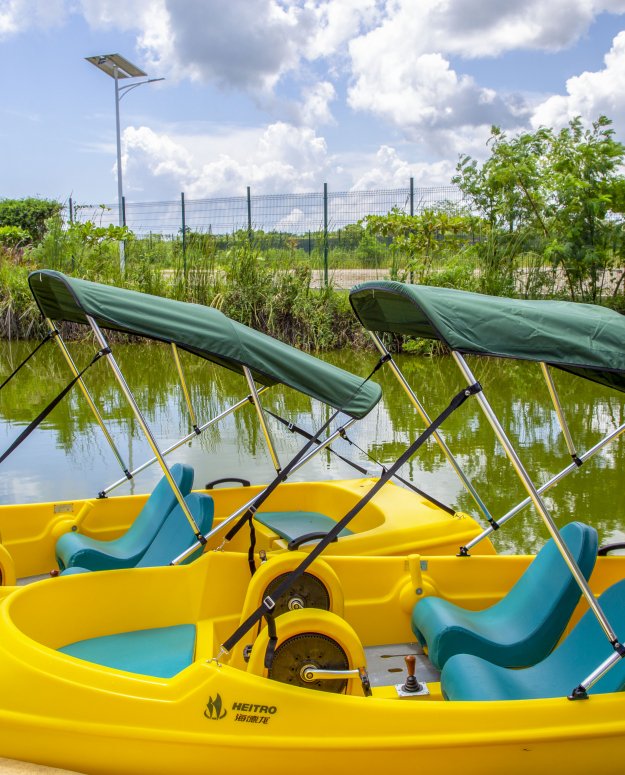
(13, 767)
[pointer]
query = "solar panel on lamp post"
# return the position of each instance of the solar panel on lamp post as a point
(117, 67)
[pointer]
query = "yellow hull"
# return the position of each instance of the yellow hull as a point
(395, 521)
(210, 717)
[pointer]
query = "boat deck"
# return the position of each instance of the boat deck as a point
(386, 665)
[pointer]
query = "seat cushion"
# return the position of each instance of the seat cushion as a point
(126, 551)
(525, 625)
(293, 524)
(467, 677)
(161, 652)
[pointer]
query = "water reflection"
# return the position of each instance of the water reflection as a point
(68, 457)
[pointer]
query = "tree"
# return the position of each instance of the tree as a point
(561, 194)
(29, 214)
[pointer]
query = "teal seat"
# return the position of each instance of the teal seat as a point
(162, 652)
(74, 549)
(290, 525)
(174, 536)
(522, 628)
(467, 677)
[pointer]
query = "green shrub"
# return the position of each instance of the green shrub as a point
(28, 214)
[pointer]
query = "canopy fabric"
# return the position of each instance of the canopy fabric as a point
(205, 332)
(583, 339)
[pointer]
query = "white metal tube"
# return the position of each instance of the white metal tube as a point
(242, 509)
(261, 418)
(559, 411)
(144, 426)
(185, 389)
(554, 480)
(88, 397)
(426, 419)
(537, 500)
(188, 437)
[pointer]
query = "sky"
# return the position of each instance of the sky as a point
(284, 95)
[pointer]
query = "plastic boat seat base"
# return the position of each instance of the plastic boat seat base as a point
(467, 677)
(523, 627)
(293, 524)
(162, 652)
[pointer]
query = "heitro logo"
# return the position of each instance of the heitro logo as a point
(214, 709)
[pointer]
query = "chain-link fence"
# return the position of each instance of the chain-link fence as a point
(320, 228)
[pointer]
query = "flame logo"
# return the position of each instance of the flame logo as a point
(214, 709)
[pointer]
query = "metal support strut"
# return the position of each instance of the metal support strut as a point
(261, 418)
(426, 419)
(560, 413)
(243, 402)
(547, 485)
(185, 389)
(242, 509)
(538, 502)
(146, 429)
(88, 397)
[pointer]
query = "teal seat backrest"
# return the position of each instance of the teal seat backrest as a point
(526, 624)
(468, 677)
(176, 534)
(74, 549)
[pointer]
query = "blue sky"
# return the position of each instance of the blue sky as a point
(283, 95)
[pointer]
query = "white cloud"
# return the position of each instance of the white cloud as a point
(283, 158)
(388, 170)
(315, 109)
(590, 94)
(19, 15)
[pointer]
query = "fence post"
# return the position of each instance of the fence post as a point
(411, 196)
(184, 234)
(325, 234)
(122, 244)
(249, 214)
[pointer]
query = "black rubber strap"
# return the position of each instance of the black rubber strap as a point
(273, 641)
(405, 482)
(25, 361)
(269, 602)
(282, 475)
(296, 429)
(252, 547)
(285, 472)
(43, 414)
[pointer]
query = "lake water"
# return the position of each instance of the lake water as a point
(67, 457)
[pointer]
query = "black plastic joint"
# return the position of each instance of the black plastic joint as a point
(579, 463)
(620, 649)
(200, 539)
(386, 358)
(579, 693)
(473, 389)
(463, 552)
(196, 430)
(494, 524)
(101, 494)
(127, 474)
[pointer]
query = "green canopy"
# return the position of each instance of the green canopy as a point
(583, 339)
(205, 332)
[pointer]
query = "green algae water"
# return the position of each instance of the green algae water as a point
(67, 457)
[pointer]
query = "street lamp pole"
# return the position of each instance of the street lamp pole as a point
(118, 67)
(120, 187)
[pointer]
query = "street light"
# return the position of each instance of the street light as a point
(117, 67)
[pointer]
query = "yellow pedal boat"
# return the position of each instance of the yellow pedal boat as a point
(226, 716)
(38, 538)
(322, 662)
